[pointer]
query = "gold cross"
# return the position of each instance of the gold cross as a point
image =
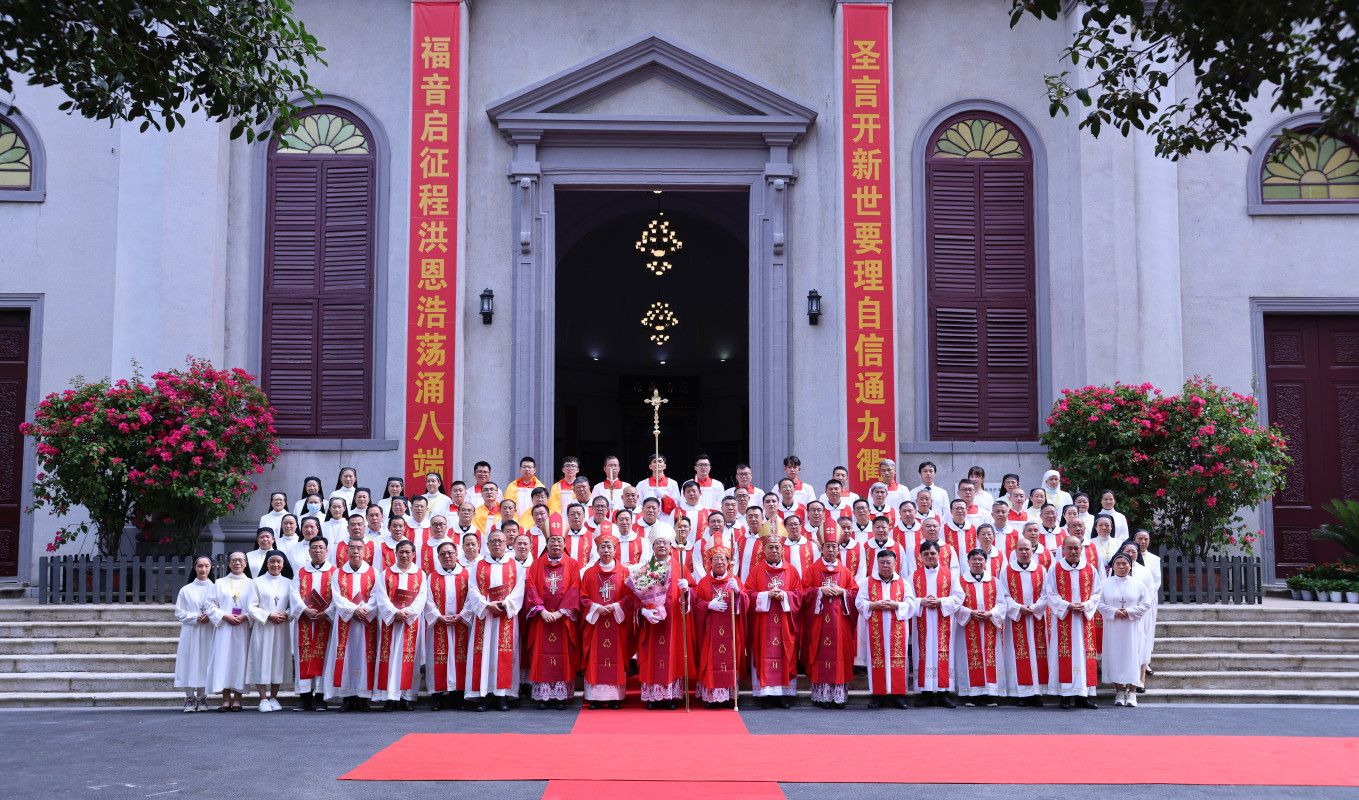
(656, 401)
(552, 581)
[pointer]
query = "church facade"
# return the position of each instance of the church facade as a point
(915, 258)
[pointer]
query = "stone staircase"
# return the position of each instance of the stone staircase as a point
(1281, 652)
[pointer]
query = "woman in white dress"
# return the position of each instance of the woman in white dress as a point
(1153, 564)
(438, 501)
(1037, 499)
(1081, 501)
(336, 523)
(396, 487)
(231, 641)
(1052, 481)
(299, 554)
(270, 643)
(362, 497)
(278, 506)
(345, 485)
(310, 486)
(192, 609)
(264, 542)
(1122, 602)
(289, 536)
(1106, 544)
(1106, 504)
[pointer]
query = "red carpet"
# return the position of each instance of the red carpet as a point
(1188, 760)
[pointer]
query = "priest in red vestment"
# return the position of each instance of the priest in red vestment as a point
(775, 593)
(663, 654)
(352, 650)
(552, 597)
(1071, 589)
(829, 625)
(311, 594)
(938, 595)
(606, 632)
(720, 611)
(977, 625)
(446, 631)
(401, 592)
(495, 593)
(1025, 644)
(886, 602)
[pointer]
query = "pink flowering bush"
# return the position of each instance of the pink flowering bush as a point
(171, 457)
(1184, 466)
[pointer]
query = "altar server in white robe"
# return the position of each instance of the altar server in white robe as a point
(1071, 588)
(1153, 565)
(495, 593)
(270, 656)
(401, 593)
(192, 608)
(977, 624)
(938, 596)
(352, 648)
(1025, 643)
(231, 639)
(1122, 601)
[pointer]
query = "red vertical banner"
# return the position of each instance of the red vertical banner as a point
(866, 140)
(433, 269)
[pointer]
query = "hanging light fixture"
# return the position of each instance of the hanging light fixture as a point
(658, 242)
(659, 320)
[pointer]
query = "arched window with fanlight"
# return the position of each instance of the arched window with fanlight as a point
(319, 256)
(980, 280)
(1315, 168)
(21, 161)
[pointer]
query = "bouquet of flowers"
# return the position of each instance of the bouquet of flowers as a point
(650, 581)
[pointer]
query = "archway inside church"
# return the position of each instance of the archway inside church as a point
(606, 360)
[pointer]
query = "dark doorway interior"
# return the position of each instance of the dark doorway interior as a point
(14, 334)
(606, 364)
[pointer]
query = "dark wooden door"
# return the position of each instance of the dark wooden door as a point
(13, 393)
(1312, 378)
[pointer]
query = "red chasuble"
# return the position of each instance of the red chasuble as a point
(943, 580)
(720, 634)
(401, 598)
(358, 595)
(663, 648)
(964, 540)
(438, 592)
(1065, 624)
(773, 639)
(552, 587)
(887, 642)
(979, 635)
(829, 635)
(429, 555)
(606, 644)
(313, 634)
(1016, 582)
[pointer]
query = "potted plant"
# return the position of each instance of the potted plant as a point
(1294, 584)
(1307, 588)
(1352, 592)
(1336, 589)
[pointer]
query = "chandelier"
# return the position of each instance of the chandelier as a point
(658, 242)
(659, 320)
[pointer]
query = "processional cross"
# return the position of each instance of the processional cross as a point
(656, 401)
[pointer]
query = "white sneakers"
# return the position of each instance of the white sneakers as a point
(270, 705)
(1127, 699)
(1118, 698)
(190, 705)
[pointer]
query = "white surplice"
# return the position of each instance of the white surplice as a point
(477, 608)
(387, 615)
(936, 623)
(958, 653)
(356, 680)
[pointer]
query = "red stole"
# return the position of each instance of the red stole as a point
(313, 635)
(366, 581)
(1015, 581)
(1064, 625)
(774, 645)
(630, 551)
(963, 540)
(506, 672)
(720, 633)
(606, 644)
(429, 555)
(980, 634)
(438, 591)
(392, 581)
(555, 587)
(578, 547)
(883, 662)
(830, 645)
(943, 578)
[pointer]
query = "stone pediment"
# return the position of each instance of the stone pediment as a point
(651, 89)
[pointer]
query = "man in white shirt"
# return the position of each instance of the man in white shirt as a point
(938, 496)
(611, 488)
(836, 503)
(967, 491)
(802, 493)
(711, 491)
(887, 473)
(744, 477)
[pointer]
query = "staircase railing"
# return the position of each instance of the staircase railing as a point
(1232, 580)
(125, 579)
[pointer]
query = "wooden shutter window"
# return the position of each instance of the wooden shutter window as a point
(980, 273)
(319, 279)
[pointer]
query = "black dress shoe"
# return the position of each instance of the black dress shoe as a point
(651, 705)
(1085, 702)
(766, 703)
(405, 705)
(785, 702)
(669, 705)
(1065, 702)
(346, 704)
(388, 705)
(899, 700)
(542, 705)
(502, 705)
(944, 701)
(321, 704)
(595, 705)
(558, 705)
(1151, 671)
(480, 706)
(615, 704)
(838, 706)
(924, 700)
(1035, 702)
(875, 701)
(303, 702)
(1141, 690)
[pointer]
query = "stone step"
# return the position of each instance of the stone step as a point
(91, 682)
(167, 700)
(1159, 696)
(1170, 645)
(134, 646)
(87, 662)
(81, 612)
(1259, 630)
(88, 629)
(1238, 681)
(1299, 612)
(1271, 662)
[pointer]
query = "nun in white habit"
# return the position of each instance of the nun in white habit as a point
(192, 608)
(269, 661)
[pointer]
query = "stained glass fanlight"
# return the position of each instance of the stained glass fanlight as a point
(1315, 167)
(16, 162)
(977, 138)
(324, 134)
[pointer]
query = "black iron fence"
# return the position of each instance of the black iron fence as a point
(1232, 580)
(124, 579)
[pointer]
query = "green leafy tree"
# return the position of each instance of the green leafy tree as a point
(153, 60)
(1304, 53)
(1346, 533)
